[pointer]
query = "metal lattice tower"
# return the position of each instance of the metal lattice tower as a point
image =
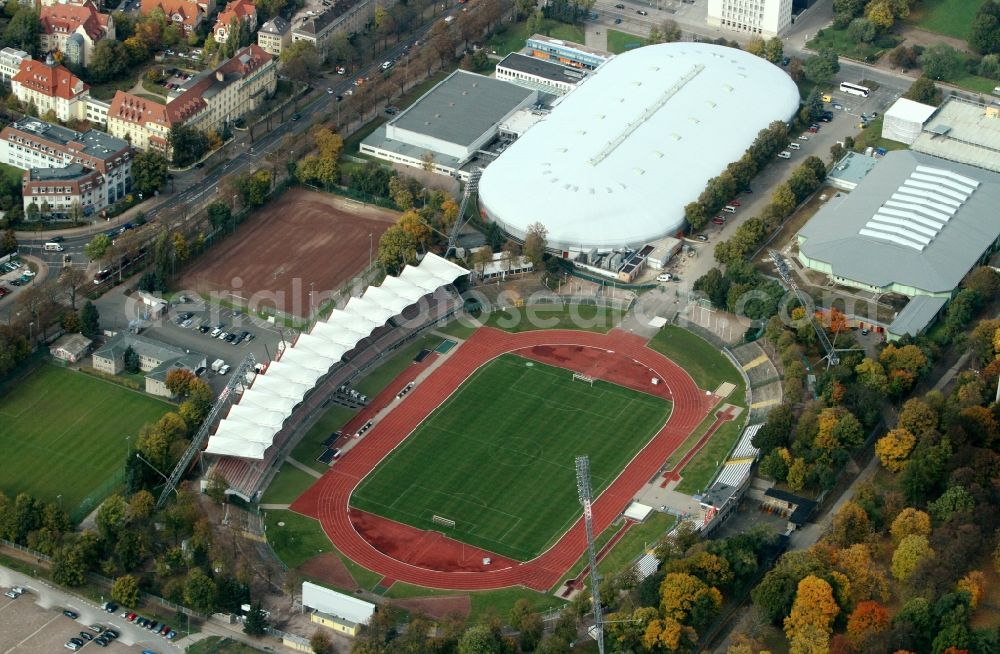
(239, 378)
(586, 497)
(789, 279)
(471, 187)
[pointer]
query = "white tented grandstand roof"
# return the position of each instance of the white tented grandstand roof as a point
(734, 473)
(646, 566)
(745, 449)
(251, 425)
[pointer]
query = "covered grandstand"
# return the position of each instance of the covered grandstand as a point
(332, 353)
(620, 156)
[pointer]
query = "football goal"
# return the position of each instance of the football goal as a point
(584, 378)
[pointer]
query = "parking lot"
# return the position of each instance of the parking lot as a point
(264, 344)
(27, 628)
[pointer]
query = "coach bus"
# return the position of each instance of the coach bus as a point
(854, 89)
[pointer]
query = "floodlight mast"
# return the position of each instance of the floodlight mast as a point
(586, 497)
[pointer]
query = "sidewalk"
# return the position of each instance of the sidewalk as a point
(96, 227)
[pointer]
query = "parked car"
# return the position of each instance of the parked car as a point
(224, 369)
(664, 277)
(86, 635)
(11, 594)
(110, 607)
(204, 328)
(96, 628)
(701, 237)
(73, 615)
(111, 633)
(101, 641)
(296, 116)
(60, 239)
(719, 220)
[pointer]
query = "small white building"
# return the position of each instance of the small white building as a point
(10, 62)
(905, 120)
(337, 611)
(764, 18)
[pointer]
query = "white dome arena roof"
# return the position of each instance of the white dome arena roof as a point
(617, 160)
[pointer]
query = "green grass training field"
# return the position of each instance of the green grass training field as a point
(63, 433)
(948, 17)
(498, 456)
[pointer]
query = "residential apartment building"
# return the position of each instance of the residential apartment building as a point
(142, 122)
(765, 18)
(74, 29)
(10, 62)
(184, 13)
(206, 102)
(344, 17)
(275, 35)
(64, 166)
(51, 87)
(156, 359)
(214, 98)
(240, 11)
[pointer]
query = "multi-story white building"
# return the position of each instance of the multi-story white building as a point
(275, 35)
(10, 62)
(206, 102)
(51, 87)
(74, 29)
(765, 18)
(64, 166)
(539, 74)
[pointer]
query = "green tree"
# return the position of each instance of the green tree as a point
(954, 500)
(483, 639)
(535, 243)
(775, 50)
(941, 62)
(984, 34)
(924, 90)
(187, 143)
(862, 30)
(125, 590)
(111, 517)
(130, 360)
(97, 247)
(396, 248)
(110, 59)
(23, 30)
(69, 565)
(846, 10)
(149, 172)
(300, 61)
(821, 68)
(909, 553)
(200, 591)
(757, 47)
(320, 643)
(90, 320)
(255, 623)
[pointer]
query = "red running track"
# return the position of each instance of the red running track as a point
(328, 499)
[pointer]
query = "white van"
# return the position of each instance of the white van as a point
(794, 146)
(729, 208)
(52, 247)
(784, 154)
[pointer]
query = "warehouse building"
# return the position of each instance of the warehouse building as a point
(963, 131)
(914, 227)
(615, 162)
(445, 129)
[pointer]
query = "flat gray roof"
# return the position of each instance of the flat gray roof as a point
(378, 139)
(542, 68)
(917, 314)
(961, 131)
(96, 144)
(853, 168)
(923, 236)
(462, 107)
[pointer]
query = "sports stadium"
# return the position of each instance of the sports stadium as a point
(616, 161)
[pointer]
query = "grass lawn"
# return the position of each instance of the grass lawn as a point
(706, 365)
(498, 456)
(700, 470)
(220, 645)
(63, 433)
(587, 317)
(638, 539)
(841, 42)
(380, 377)
(458, 329)
(288, 484)
(619, 42)
(298, 539)
(11, 174)
(513, 37)
(484, 603)
(311, 445)
(948, 17)
(974, 83)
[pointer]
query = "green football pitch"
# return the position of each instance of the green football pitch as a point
(498, 457)
(63, 433)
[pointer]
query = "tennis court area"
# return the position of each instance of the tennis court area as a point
(494, 465)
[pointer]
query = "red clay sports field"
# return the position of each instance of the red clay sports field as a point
(425, 558)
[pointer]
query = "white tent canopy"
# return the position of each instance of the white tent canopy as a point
(251, 425)
(268, 400)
